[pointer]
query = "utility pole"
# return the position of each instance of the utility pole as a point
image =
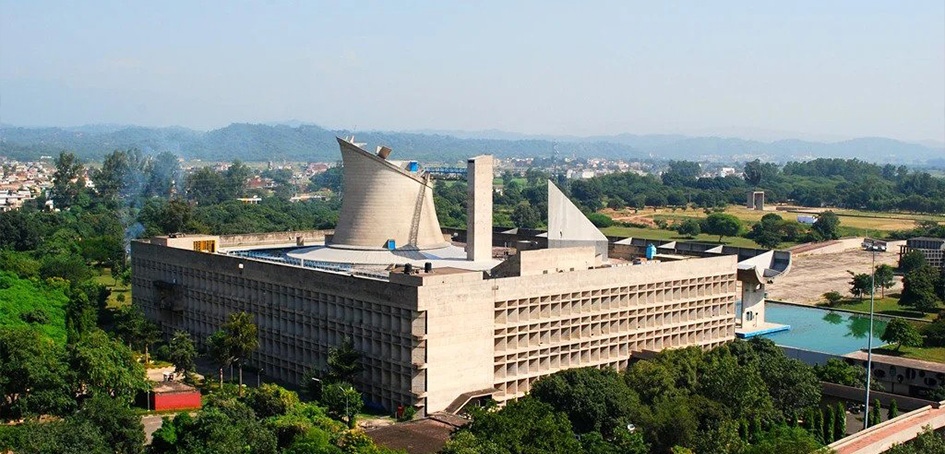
(869, 343)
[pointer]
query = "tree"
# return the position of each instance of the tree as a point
(722, 224)
(600, 220)
(270, 400)
(100, 364)
(136, 330)
(182, 353)
(885, 278)
(876, 413)
(175, 216)
(837, 371)
(344, 362)
(235, 178)
(33, 375)
(792, 385)
(785, 440)
(753, 172)
(241, 339)
(928, 442)
(829, 422)
(163, 173)
(342, 401)
(525, 216)
(833, 298)
(918, 289)
(827, 226)
(651, 380)
(902, 333)
(116, 421)
(206, 186)
(739, 386)
(111, 178)
(861, 285)
(18, 231)
(224, 425)
(840, 427)
(219, 350)
(767, 232)
(893, 410)
(911, 261)
(70, 267)
(69, 436)
(767, 238)
(82, 311)
(523, 426)
(595, 400)
(688, 170)
(331, 179)
(67, 181)
(690, 228)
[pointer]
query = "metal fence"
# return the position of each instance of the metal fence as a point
(342, 268)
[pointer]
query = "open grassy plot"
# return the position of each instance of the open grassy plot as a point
(659, 234)
(105, 278)
(854, 222)
(935, 354)
(886, 306)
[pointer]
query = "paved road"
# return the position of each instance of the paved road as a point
(152, 423)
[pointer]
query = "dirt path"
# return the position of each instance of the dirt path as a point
(814, 274)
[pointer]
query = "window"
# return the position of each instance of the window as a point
(205, 246)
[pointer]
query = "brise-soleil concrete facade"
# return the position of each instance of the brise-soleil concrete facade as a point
(439, 338)
(427, 338)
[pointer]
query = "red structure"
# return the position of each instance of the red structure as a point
(172, 395)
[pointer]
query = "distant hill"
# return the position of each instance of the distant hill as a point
(303, 142)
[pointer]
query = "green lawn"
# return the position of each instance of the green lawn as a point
(935, 354)
(886, 306)
(105, 278)
(660, 234)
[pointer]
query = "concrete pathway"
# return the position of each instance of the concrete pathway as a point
(882, 436)
(151, 424)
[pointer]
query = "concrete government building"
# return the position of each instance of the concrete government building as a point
(444, 317)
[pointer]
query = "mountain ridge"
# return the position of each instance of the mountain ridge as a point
(299, 141)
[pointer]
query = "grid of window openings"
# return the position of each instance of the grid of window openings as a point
(537, 336)
(297, 327)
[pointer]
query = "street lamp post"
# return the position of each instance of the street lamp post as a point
(321, 386)
(869, 343)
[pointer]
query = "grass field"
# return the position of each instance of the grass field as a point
(659, 234)
(886, 306)
(935, 354)
(105, 278)
(851, 219)
(852, 222)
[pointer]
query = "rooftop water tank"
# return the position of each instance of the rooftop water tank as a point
(650, 251)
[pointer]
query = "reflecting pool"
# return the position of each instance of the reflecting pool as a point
(822, 330)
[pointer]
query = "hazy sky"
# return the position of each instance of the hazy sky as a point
(819, 68)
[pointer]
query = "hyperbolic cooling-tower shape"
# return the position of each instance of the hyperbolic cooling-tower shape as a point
(383, 201)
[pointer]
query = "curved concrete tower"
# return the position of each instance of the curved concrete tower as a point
(383, 201)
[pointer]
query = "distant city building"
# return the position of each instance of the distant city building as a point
(254, 200)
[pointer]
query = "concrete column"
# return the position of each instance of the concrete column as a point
(479, 217)
(753, 301)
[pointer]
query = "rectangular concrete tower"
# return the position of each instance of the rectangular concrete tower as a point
(479, 217)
